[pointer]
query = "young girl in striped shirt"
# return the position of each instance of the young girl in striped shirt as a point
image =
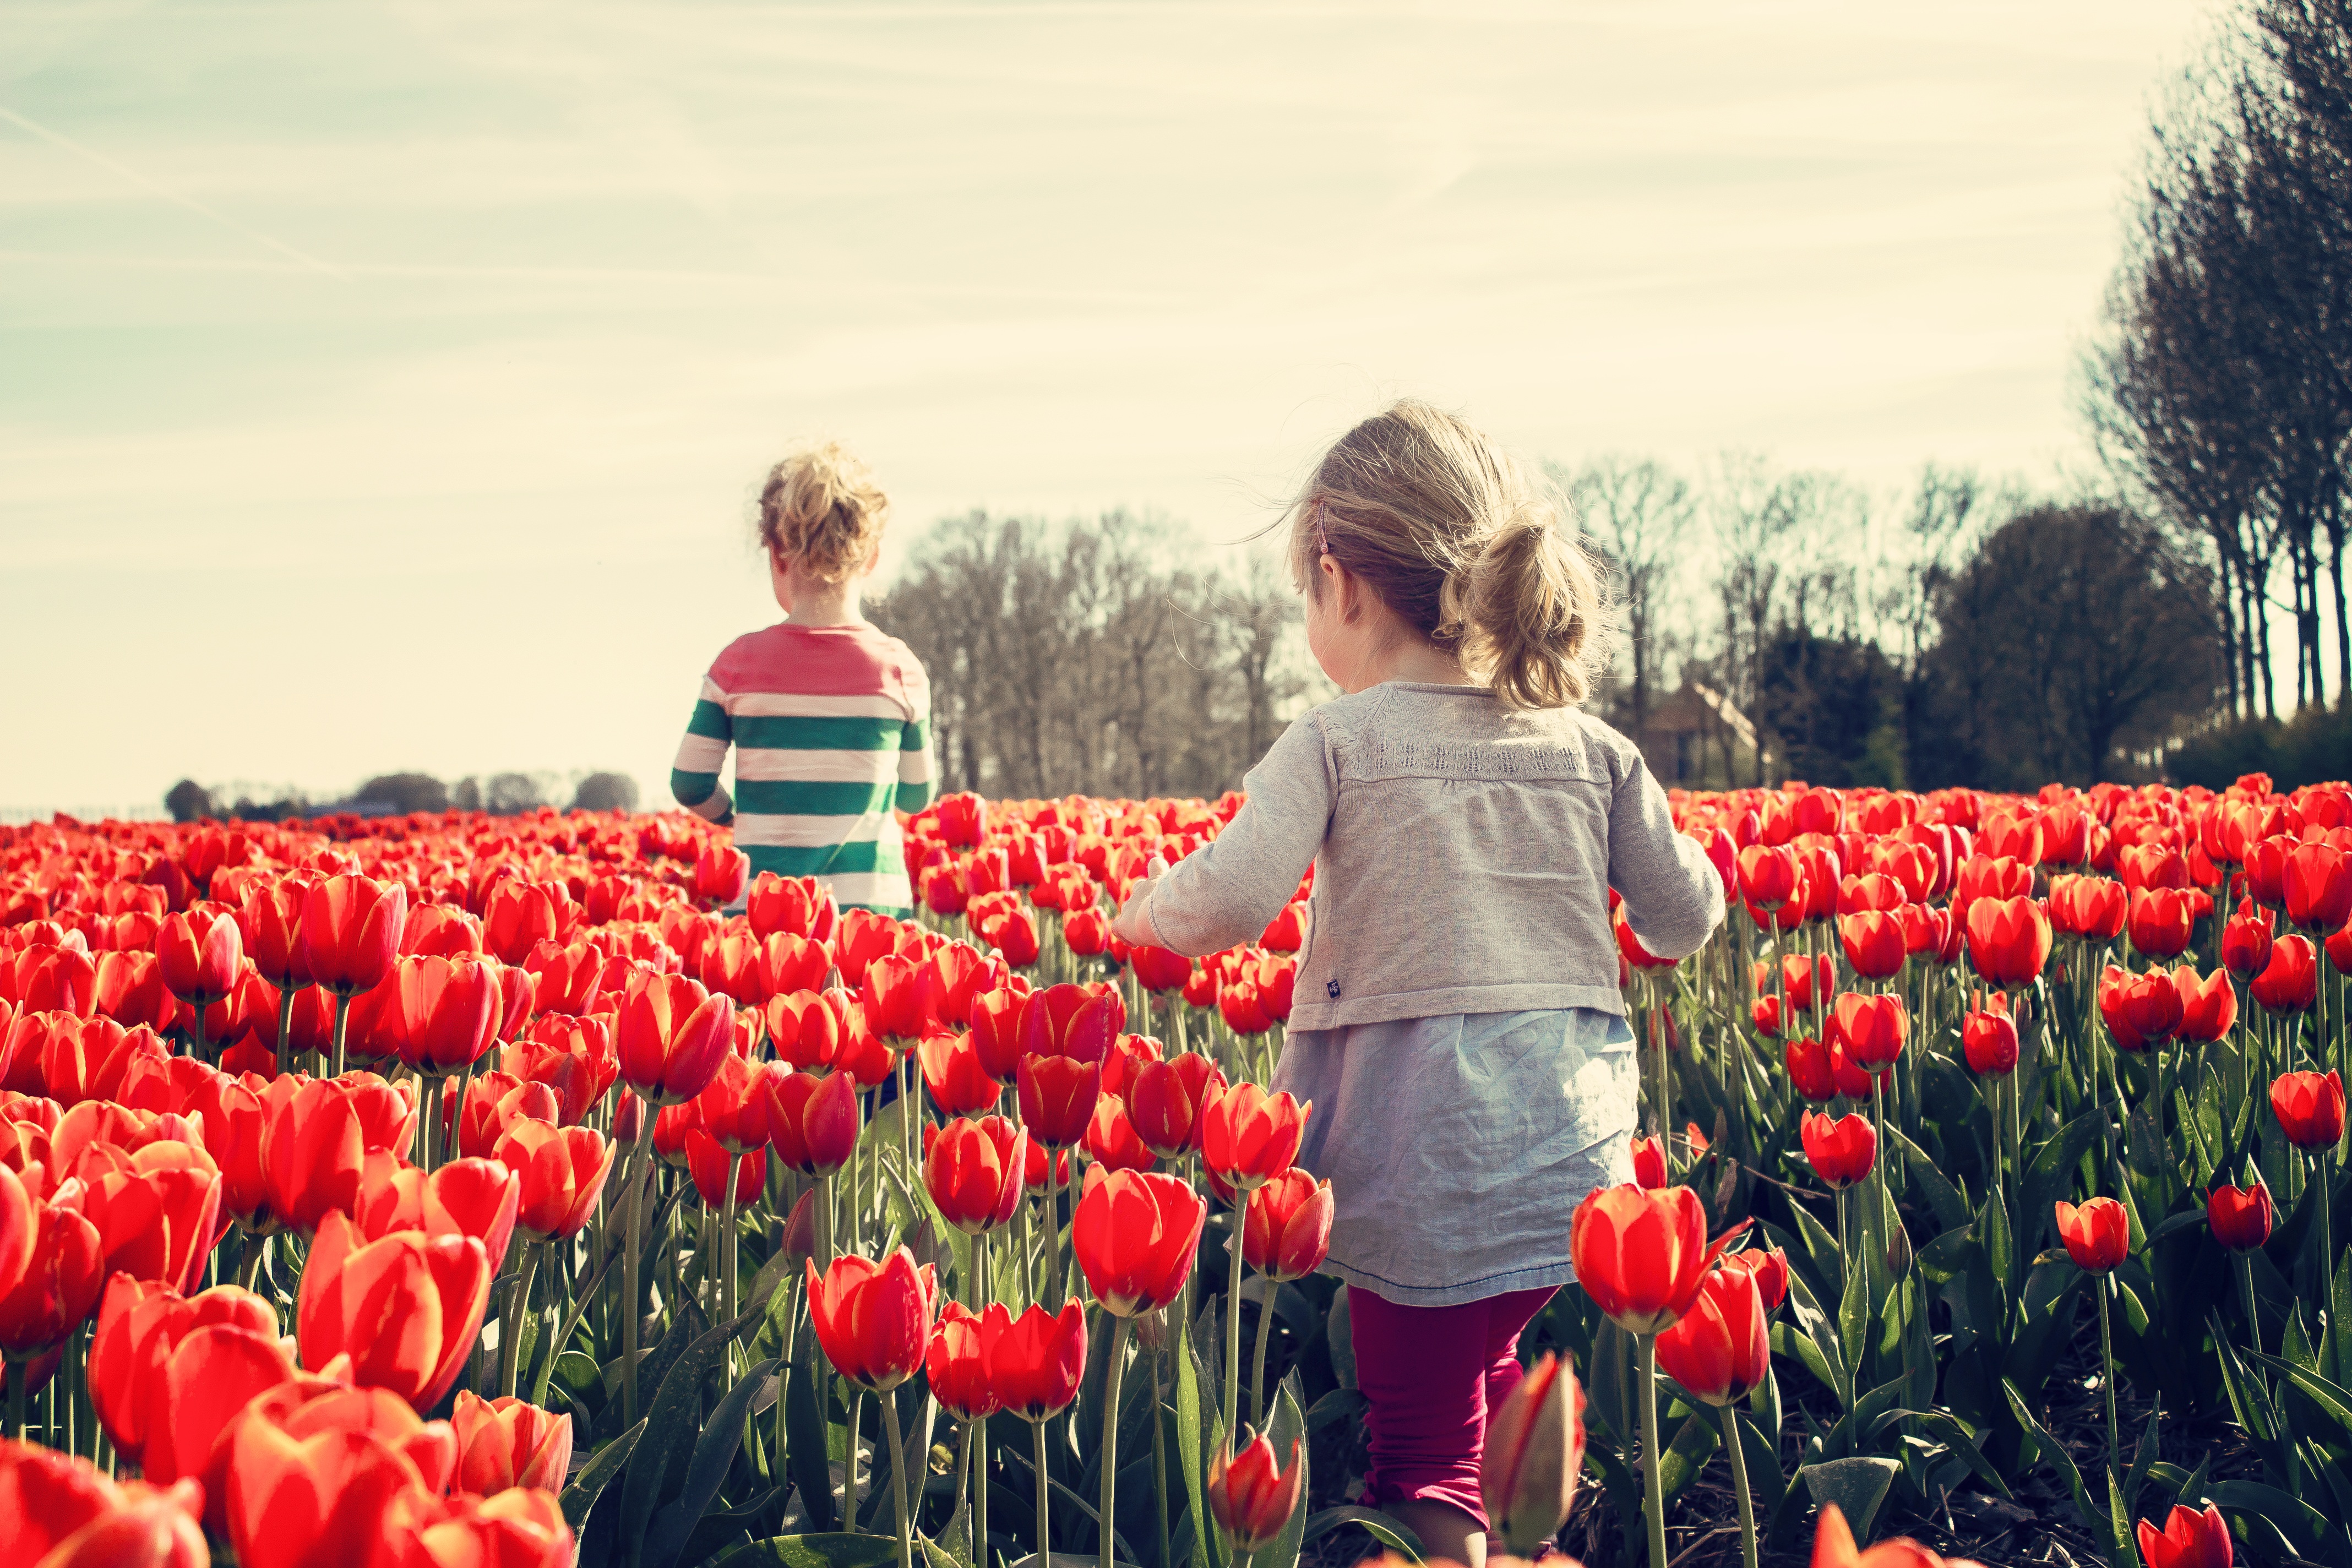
(829, 717)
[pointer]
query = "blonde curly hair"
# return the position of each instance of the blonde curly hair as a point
(822, 511)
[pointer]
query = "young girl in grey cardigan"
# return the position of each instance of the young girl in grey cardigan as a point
(1457, 1024)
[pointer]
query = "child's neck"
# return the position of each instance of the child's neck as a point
(836, 607)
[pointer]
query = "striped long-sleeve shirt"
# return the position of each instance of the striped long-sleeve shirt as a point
(832, 730)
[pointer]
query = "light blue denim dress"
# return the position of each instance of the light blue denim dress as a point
(1458, 1147)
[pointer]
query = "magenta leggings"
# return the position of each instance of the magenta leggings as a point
(1433, 1375)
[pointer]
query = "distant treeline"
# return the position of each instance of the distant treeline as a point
(397, 795)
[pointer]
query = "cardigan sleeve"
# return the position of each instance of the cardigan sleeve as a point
(694, 776)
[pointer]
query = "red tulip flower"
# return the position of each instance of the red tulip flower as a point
(806, 1027)
(813, 1122)
(471, 1196)
(974, 1170)
(1810, 1069)
(1248, 1137)
(1136, 1234)
(562, 1171)
(952, 1072)
(1770, 1266)
(672, 1033)
(799, 905)
(447, 1013)
(707, 1162)
(2088, 908)
(297, 1502)
(2161, 923)
(156, 1212)
(2290, 982)
(314, 1151)
(2139, 1010)
(1873, 943)
(1534, 1450)
(1874, 1029)
(2208, 1006)
(407, 1309)
(1988, 1038)
(58, 1286)
(517, 916)
(2246, 940)
(1768, 876)
(59, 1511)
(507, 1442)
(956, 1363)
(2008, 940)
(1641, 1255)
(1841, 1151)
(1720, 1350)
(1286, 1226)
(2192, 1538)
(2309, 1108)
(1251, 1497)
(2318, 887)
(2097, 1234)
(164, 1410)
(1057, 1098)
(1650, 1164)
(202, 954)
(2240, 1217)
(874, 1320)
(1037, 1365)
(1167, 1098)
(349, 932)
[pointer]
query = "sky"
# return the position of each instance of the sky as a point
(386, 386)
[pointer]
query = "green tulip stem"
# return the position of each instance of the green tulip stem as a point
(1119, 1327)
(1233, 1328)
(1739, 1484)
(1159, 1448)
(2246, 1294)
(1056, 1270)
(849, 1459)
(1257, 1379)
(510, 1327)
(1654, 1499)
(726, 1242)
(285, 1027)
(632, 1243)
(898, 1479)
(1044, 1535)
(2320, 1161)
(248, 1268)
(2107, 1376)
(342, 1016)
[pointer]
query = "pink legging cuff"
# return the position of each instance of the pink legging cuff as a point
(1431, 1376)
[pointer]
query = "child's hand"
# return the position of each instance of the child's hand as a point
(1131, 925)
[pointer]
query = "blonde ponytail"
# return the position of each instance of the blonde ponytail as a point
(1466, 547)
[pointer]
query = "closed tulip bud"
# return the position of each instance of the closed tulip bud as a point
(2192, 1538)
(1874, 1029)
(974, 1171)
(1720, 1351)
(874, 1320)
(202, 954)
(1642, 1256)
(1250, 1497)
(1989, 1038)
(813, 1122)
(952, 1072)
(671, 1037)
(1900, 1254)
(1167, 1098)
(507, 1442)
(2097, 1234)
(1286, 1226)
(1535, 1447)
(2309, 1108)
(1649, 1163)
(1770, 1266)
(2289, 982)
(800, 1230)
(1057, 1099)
(1768, 876)
(2008, 940)
(1841, 1151)
(1812, 1070)
(1873, 943)
(563, 1171)
(2246, 940)
(351, 932)
(1136, 1234)
(1038, 1364)
(2240, 1217)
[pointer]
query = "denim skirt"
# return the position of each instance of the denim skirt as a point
(1458, 1147)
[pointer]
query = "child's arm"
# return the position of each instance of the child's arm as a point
(1673, 899)
(1224, 893)
(918, 785)
(694, 776)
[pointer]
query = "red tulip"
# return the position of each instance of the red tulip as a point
(1057, 1098)
(2192, 1538)
(1641, 1255)
(1768, 876)
(446, 1013)
(2318, 887)
(349, 932)
(1841, 1151)
(1248, 1137)
(562, 1170)
(801, 906)
(2089, 907)
(1075, 1021)
(1873, 943)
(1833, 1548)
(1720, 1351)
(2097, 1234)
(1770, 1266)
(813, 1122)
(707, 1163)
(1650, 1164)
(314, 1151)
(1534, 1450)
(59, 1510)
(1136, 1234)
(517, 916)
(2246, 940)
(2008, 940)
(956, 1363)
(2160, 923)
(2240, 1217)
(1874, 1029)
(130, 990)
(2290, 982)
(337, 1496)
(2208, 1006)
(1251, 1497)
(1167, 1099)
(1988, 1038)
(506, 1442)
(973, 1171)
(672, 1034)
(874, 1320)
(58, 1286)
(1811, 1070)
(1111, 1141)
(166, 1409)
(157, 1212)
(806, 1027)
(2309, 1108)
(405, 1308)
(1286, 1226)
(2139, 1010)
(952, 1072)
(471, 1196)
(202, 954)
(1038, 1364)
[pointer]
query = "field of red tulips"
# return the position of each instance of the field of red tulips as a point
(456, 1190)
